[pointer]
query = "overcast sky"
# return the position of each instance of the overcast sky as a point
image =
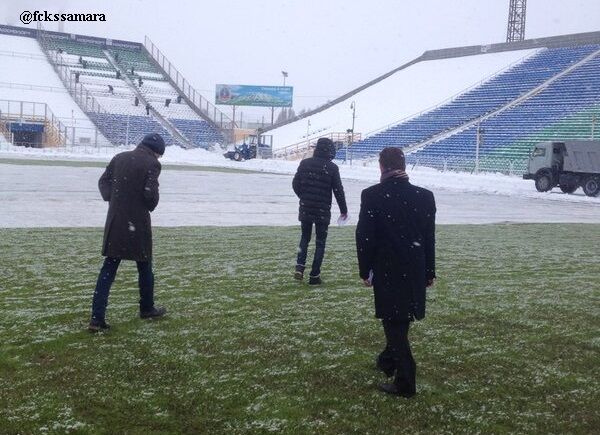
(327, 46)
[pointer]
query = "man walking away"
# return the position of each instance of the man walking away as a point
(130, 185)
(317, 177)
(395, 243)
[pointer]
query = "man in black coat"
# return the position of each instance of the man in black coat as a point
(130, 185)
(395, 242)
(317, 177)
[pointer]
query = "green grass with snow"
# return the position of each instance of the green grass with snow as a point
(510, 342)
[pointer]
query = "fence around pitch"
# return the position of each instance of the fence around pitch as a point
(502, 165)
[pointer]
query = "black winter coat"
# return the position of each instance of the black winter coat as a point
(316, 178)
(130, 184)
(395, 238)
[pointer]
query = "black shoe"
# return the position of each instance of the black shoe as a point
(315, 280)
(153, 313)
(393, 389)
(98, 325)
(298, 275)
(387, 369)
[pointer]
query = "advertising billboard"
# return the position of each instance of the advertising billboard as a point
(243, 95)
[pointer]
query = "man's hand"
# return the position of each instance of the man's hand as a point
(344, 216)
(367, 283)
(430, 282)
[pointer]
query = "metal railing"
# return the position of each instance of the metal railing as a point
(503, 165)
(203, 107)
(300, 148)
(29, 111)
(496, 164)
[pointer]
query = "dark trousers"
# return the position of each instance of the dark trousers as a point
(106, 278)
(321, 239)
(397, 355)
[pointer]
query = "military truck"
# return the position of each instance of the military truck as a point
(567, 164)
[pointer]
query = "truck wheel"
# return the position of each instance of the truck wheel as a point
(591, 186)
(568, 188)
(543, 182)
(237, 156)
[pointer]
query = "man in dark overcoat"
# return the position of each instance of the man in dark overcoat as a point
(130, 185)
(315, 180)
(395, 242)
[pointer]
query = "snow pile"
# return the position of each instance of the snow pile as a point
(367, 171)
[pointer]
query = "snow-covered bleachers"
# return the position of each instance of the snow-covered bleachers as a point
(125, 122)
(489, 96)
(404, 94)
(510, 134)
(26, 75)
(91, 75)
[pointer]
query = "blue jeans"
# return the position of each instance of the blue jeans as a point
(321, 238)
(106, 278)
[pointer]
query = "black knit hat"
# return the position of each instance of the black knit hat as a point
(155, 142)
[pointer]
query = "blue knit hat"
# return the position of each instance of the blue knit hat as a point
(155, 142)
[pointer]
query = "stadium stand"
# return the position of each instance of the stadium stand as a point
(30, 90)
(565, 108)
(491, 95)
(124, 117)
(548, 90)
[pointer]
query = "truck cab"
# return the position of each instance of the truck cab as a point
(543, 156)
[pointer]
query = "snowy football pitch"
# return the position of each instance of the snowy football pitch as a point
(510, 343)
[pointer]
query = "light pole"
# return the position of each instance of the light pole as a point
(353, 107)
(284, 74)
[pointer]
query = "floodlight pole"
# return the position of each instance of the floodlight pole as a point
(516, 21)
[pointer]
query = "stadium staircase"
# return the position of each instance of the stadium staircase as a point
(446, 136)
(179, 138)
(218, 120)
